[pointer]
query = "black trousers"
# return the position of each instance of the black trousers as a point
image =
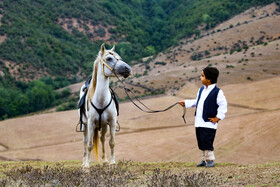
(205, 138)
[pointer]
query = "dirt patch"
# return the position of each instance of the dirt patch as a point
(94, 32)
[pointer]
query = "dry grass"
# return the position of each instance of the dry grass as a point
(128, 173)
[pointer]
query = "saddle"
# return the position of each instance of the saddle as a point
(82, 108)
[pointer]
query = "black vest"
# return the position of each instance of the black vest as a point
(210, 106)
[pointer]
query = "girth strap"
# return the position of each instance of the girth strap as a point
(100, 111)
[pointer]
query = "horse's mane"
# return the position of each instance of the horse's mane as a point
(92, 84)
(91, 90)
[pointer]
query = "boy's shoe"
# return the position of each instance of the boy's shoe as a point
(201, 164)
(210, 164)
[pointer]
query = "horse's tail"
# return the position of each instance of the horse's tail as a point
(96, 144)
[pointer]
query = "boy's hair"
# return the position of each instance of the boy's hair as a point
(211, 73)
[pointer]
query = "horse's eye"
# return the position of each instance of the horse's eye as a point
(109, 59)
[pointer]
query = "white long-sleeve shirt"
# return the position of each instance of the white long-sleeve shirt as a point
(221, 102)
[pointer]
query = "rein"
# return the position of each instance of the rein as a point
(148, 109)
(128, 90)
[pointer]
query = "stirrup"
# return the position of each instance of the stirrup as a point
(118, 130)
(82, 127)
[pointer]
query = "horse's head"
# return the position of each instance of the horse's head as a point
(112, 63)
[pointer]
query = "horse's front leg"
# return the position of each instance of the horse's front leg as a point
(112, 140)
(102, 139)
(90, 130)
(85, 140)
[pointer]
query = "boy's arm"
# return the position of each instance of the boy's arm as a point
(222, 109)
(189, 103)
(222, 102)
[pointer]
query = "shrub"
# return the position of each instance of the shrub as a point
(161, 63)
(229, 66)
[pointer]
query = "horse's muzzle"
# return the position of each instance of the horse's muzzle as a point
(126, 71)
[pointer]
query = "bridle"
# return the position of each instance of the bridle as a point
(109, 67)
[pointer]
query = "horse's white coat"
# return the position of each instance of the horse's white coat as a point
(100, 96)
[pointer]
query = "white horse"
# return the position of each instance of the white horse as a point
(100, 110)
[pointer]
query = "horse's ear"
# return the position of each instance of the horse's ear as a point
(113, 48)
(102, 49)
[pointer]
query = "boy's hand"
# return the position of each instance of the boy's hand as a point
(182, 103)
(214, 120)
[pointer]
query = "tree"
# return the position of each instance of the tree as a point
(40, 96)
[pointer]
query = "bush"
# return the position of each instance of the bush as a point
(63, 94)
(161, 63)
(229, 66)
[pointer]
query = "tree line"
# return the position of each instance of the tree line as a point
(30, 97)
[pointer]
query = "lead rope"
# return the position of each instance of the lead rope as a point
(148, 109)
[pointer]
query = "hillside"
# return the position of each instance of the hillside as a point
(160, 148)
(53, 44)
(248, 135)
(55, 38)
(252, 54)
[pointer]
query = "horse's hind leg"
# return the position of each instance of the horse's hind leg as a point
(102, 139)
(112, 141)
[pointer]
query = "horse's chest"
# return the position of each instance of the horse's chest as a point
(102, 119)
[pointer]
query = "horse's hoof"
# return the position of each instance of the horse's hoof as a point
(105, 161)
(85, 166)
(86, 170)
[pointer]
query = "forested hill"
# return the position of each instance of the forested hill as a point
(56, 41)
(62, 36)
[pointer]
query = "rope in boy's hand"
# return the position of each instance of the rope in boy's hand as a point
(182, 103)
(184, 113)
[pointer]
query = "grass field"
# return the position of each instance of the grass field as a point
(128, 173)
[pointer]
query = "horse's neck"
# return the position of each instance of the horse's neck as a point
(102, 94)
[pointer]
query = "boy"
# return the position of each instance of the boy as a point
(211, 107)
